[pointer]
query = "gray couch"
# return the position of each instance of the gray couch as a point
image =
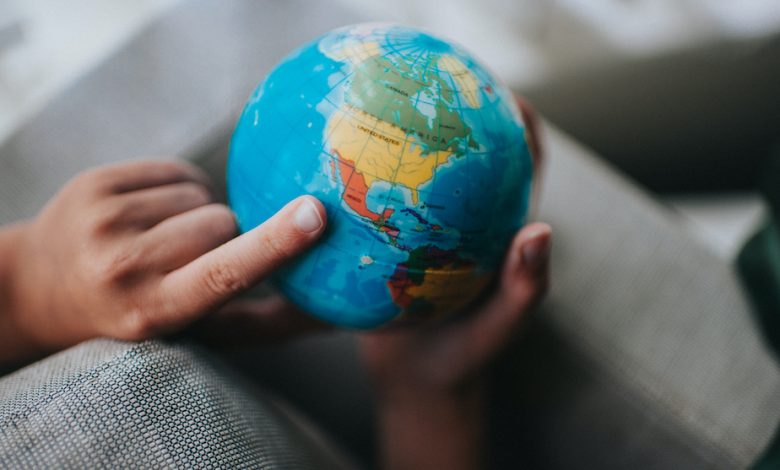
(645, 354)
(106, 404)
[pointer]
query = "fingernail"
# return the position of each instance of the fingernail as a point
(536, 250)
(307, 217)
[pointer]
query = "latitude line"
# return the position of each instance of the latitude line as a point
(337, 168)
(449, 273)
(393, 183)
(354, 168)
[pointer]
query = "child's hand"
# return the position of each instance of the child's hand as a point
(429, 381)
(441, 359)
(136, 250)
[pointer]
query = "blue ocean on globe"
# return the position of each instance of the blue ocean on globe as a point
(419, 156)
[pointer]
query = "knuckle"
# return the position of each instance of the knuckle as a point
(174, 168)
(278, 246)
(90, 176)
(224, 280)
(83, 182)
(221, 221)
(138, 324)
(93, 180)
(107, 217)
(196, 193)
(104, 216)
(222, 214)
(167, 166)
(116, 268)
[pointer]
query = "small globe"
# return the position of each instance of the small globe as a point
(419, 156)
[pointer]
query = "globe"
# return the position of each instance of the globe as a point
(417, 153)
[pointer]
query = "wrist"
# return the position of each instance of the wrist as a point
(432, 428)
(17, 343)
(10, 238)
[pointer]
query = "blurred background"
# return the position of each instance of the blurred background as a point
(682, 95)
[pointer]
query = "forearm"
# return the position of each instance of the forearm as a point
(15, 344)
(440, 430)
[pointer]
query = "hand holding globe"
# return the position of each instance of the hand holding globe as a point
(392, 153)
(419, 155)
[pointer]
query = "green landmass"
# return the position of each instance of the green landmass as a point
(386, 89)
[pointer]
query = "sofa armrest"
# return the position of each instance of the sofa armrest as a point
(646, 353)
(150, 405)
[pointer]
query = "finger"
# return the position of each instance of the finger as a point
(178, 240)
(135, 175)
(251, 322)
(534, 131)
(524, 280)
(534, 140)
(147, 207)
(220, 274)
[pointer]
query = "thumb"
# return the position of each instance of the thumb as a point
(525, 275)
(220, 274)
(467, 345)
(533, 127)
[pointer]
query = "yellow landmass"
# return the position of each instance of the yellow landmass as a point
(380, 150)
(467, 83)
(450, 289)
(356, 52)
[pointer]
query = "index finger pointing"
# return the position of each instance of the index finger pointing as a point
(220, 274)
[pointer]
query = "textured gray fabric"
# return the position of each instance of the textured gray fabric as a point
(149, 405)
(662, 335)
(654, 306)
(34, 383)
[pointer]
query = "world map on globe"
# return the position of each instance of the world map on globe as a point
(418, 154)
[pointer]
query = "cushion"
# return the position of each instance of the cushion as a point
(108, 404)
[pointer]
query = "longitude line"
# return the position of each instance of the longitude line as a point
(346, 184)
(393, 182)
